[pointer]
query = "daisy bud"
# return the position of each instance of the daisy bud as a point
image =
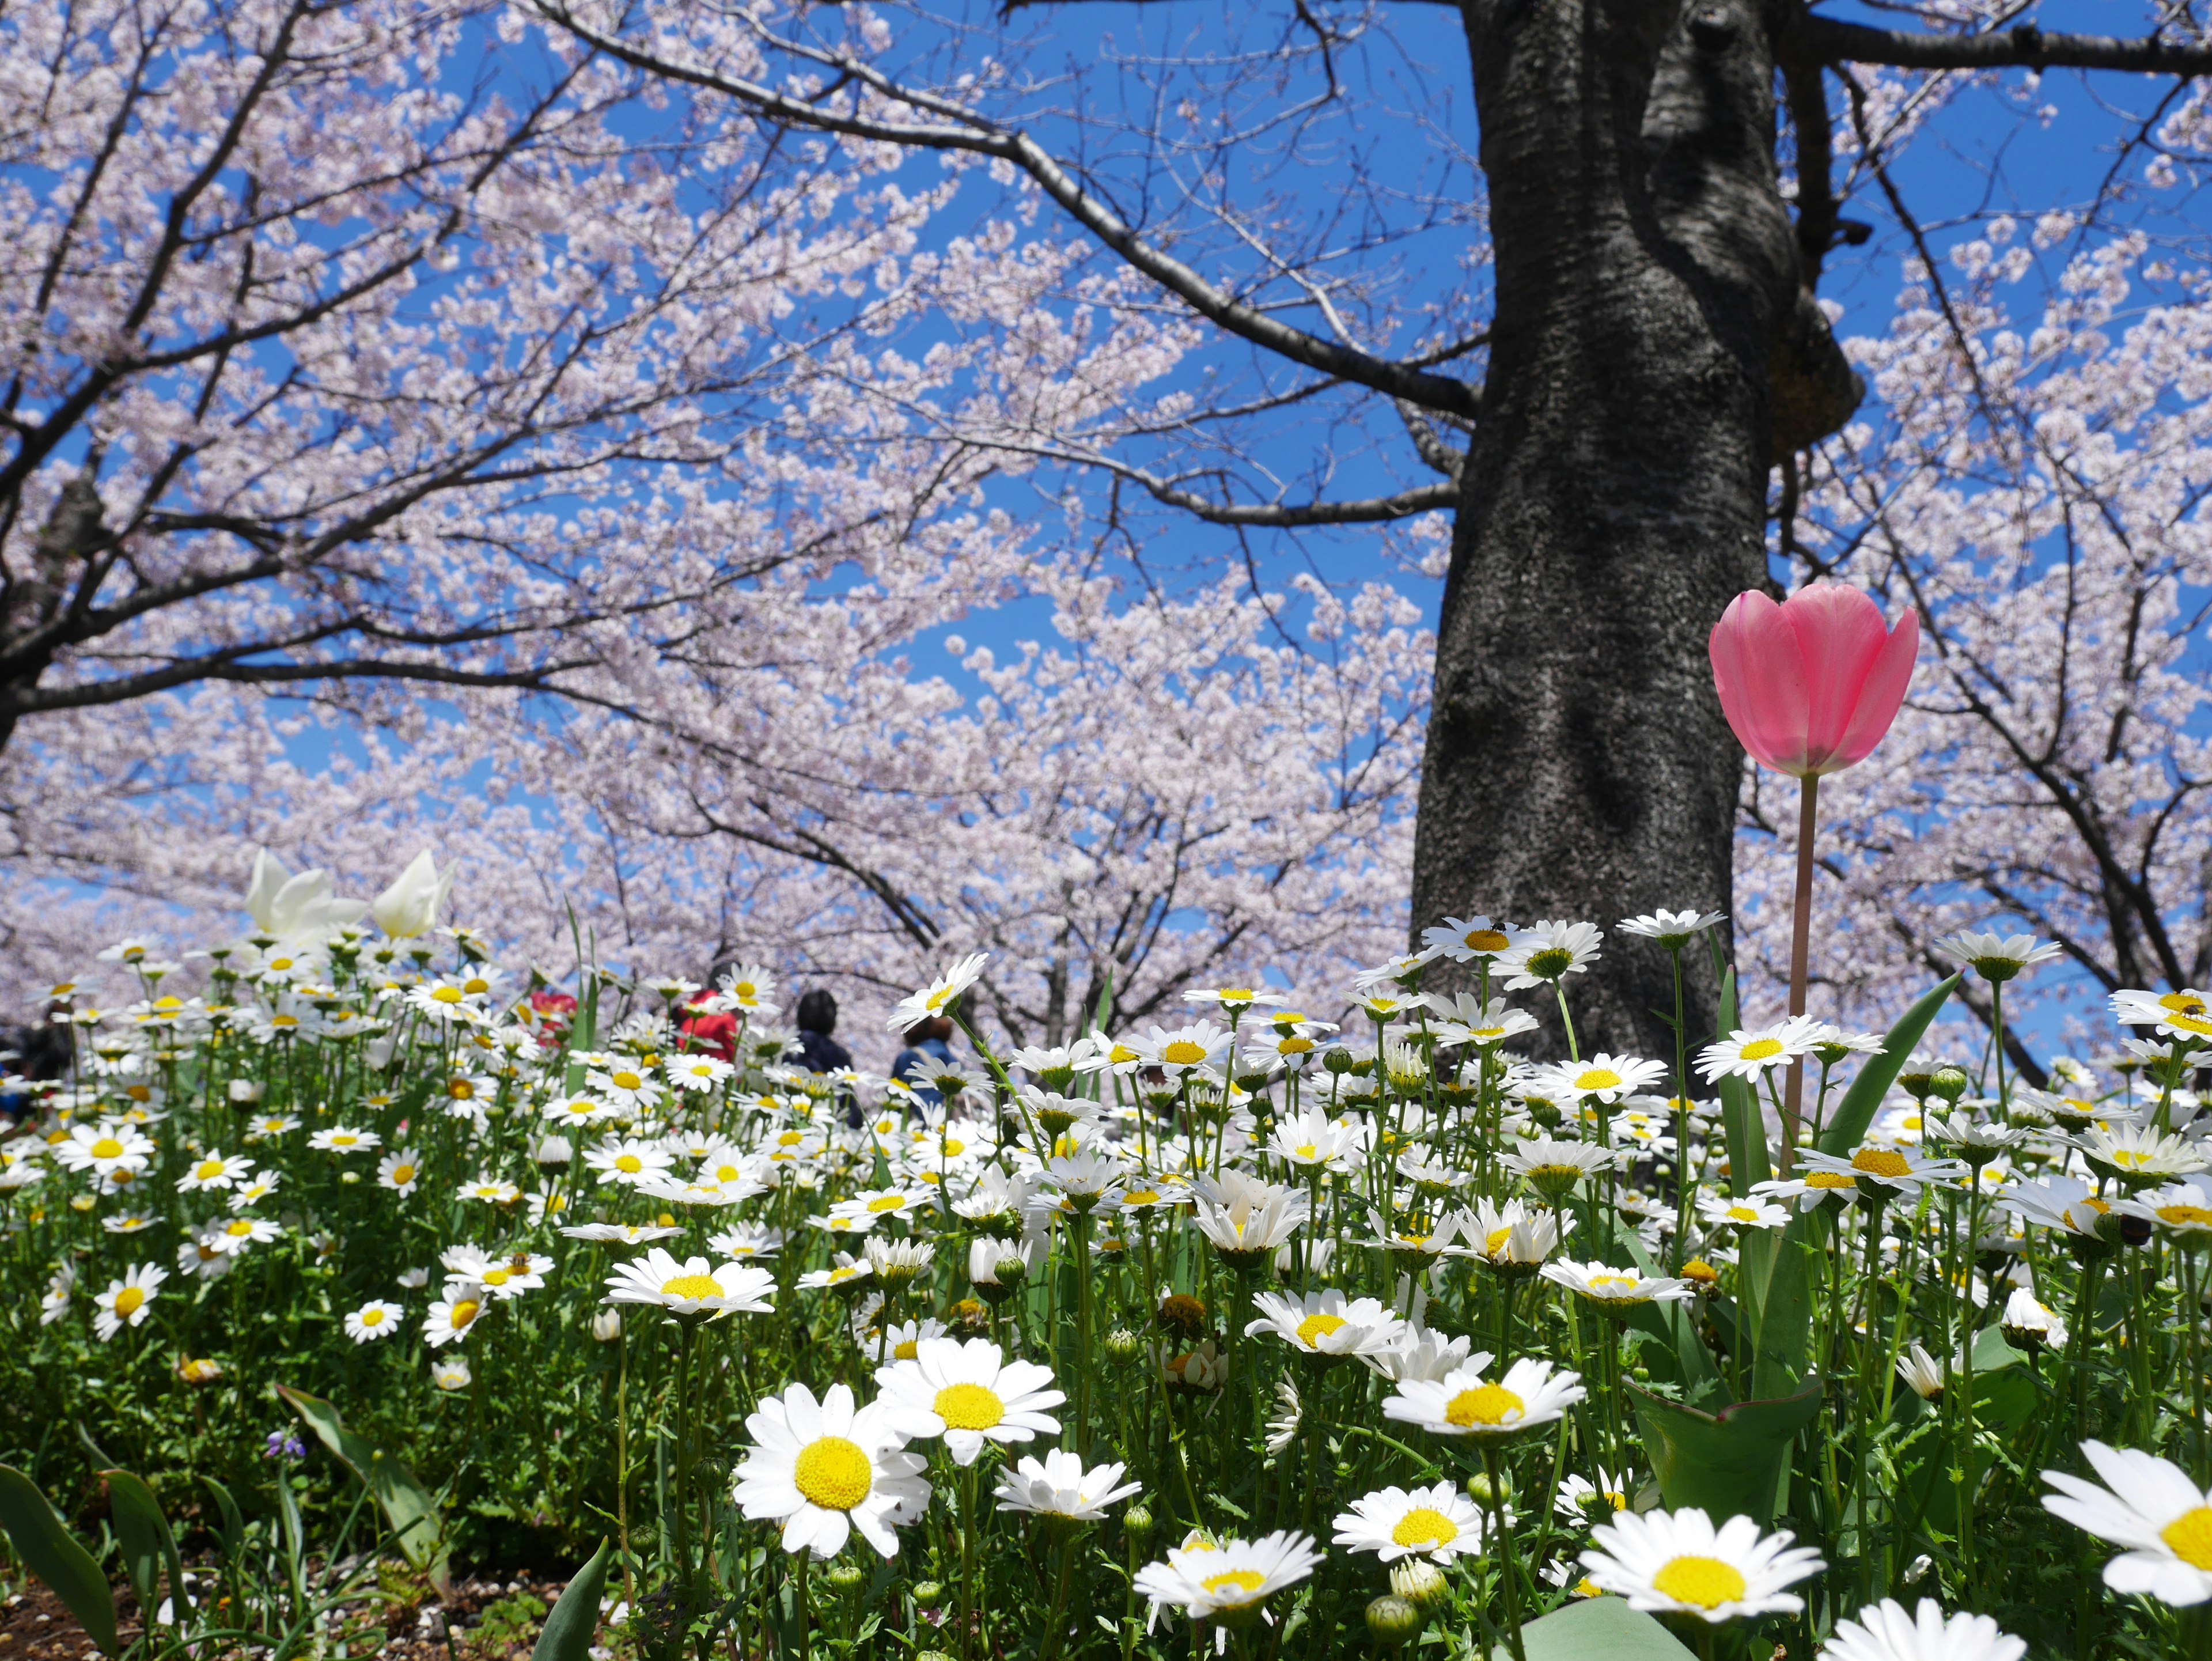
(1393, 1621)
(847, 1577)
(1948, 1082)
(928, 1594)
(1421, 1583)
(1137, 1523)
(1482, 1491)
(1123, 1346)
(244, 1092)
(1012, 1270)
(606, 1325)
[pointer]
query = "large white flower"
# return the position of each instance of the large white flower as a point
(1549, 953)
(1601, 1077)
(1465, 1403)
(933, 999)
(214, 1170)
(969, 1393)
(1884, 1632)
(1240, 1213)
(1603, 1284)
(373, 1320)
(1229, 1581)
(1439, 1522)
(1059, 1486)
(824, 1469)
(124, 1302)
(1326, 1323)
(104, 1149)
(690, 1287)
(2150, 1505)
(1678, 1563)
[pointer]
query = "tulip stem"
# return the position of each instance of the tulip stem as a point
(1801, 941)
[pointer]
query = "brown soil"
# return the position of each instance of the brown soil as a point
(34, 1627)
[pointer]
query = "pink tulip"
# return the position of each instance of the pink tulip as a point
(1811, 685)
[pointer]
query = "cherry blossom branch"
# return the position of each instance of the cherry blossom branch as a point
(958, 128)
(2025, 46)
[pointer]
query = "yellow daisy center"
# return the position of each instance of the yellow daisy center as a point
(1315, 1328)
(969, 1406)
(905, 1349)
(1183, 1052)
(1425, 1528)
(2185, 1216)
(628, 1164)
(129, 1301)
(446, 995)
(107, 1148)
(1485, 939)
(465, 1311)
(238, 1230)
(1760, 1050)
(1485, 1404)
(691, 1286)
(888, 1202)
(461, 1090)
(1705, 1581)
(833, 1473)
(2189, 1537)
(497, 1277)
(403, 1173)
(1881, 1162)
(2195, 1024)
(371, 1318)
(627, 1080)
(1248, 1581)
(1598, 1078)
(1830, 1179)
(208, 1168)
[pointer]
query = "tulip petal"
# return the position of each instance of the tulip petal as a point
(1760, 674)
(1840, 634)
(1882, 694)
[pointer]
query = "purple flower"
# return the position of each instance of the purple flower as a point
(285, 1445)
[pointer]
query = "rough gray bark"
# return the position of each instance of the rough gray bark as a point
(1651, 328)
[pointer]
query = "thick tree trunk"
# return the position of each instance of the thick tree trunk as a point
(1649, 302)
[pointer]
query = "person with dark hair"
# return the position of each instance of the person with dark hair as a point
(818, 1019)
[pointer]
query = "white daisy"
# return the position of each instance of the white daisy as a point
(1884, 1632)
(1677, 1563)
(240, 1232)
(1548, 953)
(621, 1233)
(1227, 1582)
(1996, 957)
(1603, 1078)
(933, 999)
(451, 1316)
(825, 1468)
(373, 1320)
(399, 1171)
(1465, 939)
(214, 1170)
(1326, 1325)
(1465, 1403)
(343, 1139)
(969, 1393)
(690, 1288)
(1671, 929)
(1439, 1522)
(1059, 1486)
(1747, 1054)
(630, 1161)
(2150, 1505)
(124, 1302)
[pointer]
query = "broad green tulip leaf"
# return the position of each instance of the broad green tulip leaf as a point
(1727, 1463)
(410, 1508)
(1672, 1321)
(1857, 1111)
(1598, 1629)
(1741, 1119)
(233, 1523)
(569, 1631)
(149, 1545)
(50, 1551)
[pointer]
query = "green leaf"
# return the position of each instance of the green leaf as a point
(50, 1551)
(1672, 1321)
(1598, 1629)
(149, 1545)
(1742, 1121)
(1729, 1463)
(410, 1508)
(1857, 1111)
(234, 1523)
(569, 1631)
